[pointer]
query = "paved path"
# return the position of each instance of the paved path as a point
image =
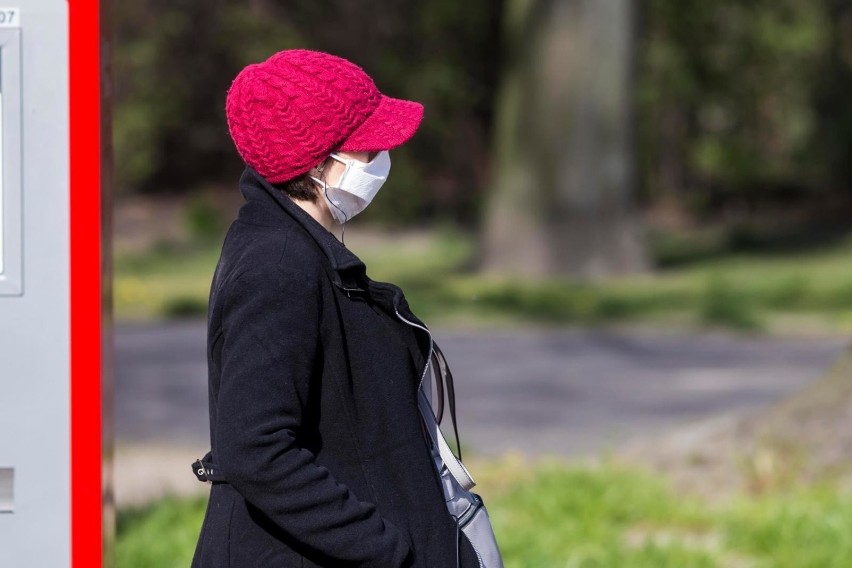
(571, 392)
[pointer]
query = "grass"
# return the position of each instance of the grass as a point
(776, 290)
(161, 534)
(555, 515)
(149, 284)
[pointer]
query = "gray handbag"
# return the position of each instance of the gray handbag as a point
(465, 506)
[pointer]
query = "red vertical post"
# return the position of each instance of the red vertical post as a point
(85, 283)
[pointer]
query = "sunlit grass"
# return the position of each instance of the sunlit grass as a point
(162, 534)
(549, 514)
(147, 283)
(744, 290)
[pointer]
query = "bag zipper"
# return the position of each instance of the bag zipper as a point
(429, 355)
(422, 377)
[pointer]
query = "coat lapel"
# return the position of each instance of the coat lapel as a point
(267, 205)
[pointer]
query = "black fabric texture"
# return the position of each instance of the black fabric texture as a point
(314, 424)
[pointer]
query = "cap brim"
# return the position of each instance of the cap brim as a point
(392, 123)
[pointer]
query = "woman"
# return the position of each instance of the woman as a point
(317, 454)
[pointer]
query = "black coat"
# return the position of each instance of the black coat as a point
(314, 422)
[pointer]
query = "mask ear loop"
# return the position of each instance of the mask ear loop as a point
(320, 169)
(345, 217)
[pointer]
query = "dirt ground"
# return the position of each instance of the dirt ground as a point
(799, 440)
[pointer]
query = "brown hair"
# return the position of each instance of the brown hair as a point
(302, 186)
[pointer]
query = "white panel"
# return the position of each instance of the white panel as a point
(1, 183)
(34, 305)
(11, 253)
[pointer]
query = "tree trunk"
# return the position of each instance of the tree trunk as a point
(563, 175)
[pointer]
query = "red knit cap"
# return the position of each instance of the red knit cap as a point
(291, 111)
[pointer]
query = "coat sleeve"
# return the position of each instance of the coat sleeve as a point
(271, 319)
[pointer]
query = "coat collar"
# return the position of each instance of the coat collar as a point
(266, 205)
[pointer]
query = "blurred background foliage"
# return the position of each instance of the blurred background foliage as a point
(737, 169)
(739, 134)
(741, 104)
(174, 62)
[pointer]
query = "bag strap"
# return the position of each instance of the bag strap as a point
(440, 386)
(455, 467)
(446, 374)
(453, 464)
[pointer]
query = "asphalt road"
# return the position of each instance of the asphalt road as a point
(570, 392)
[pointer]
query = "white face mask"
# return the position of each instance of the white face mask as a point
(357, 186)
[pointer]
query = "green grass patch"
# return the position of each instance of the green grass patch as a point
(597, 517)
(164, 280)
(552, 515)
(808, 527)
(742, 290)
(162, 534)
(721, 304)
